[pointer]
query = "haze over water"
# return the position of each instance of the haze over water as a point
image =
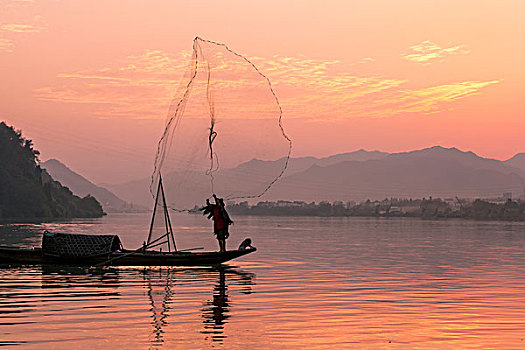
(313, 283)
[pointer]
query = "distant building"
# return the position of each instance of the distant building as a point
(452, 203)
(395, 210)
(289, 204)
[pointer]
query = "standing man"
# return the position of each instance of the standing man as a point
(221, 220)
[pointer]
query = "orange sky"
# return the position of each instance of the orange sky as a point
(90, 81)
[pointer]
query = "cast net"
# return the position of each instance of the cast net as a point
(224, 132)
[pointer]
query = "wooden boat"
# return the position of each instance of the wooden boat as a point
(107, 250)
(15, 255)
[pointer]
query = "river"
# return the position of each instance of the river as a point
(314, 283)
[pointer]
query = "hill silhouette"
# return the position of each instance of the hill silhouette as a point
(435, 171)
(239, 177)
(518, 161)
(27, 191)
(82, 187)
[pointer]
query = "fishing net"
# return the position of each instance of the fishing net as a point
(224, 132)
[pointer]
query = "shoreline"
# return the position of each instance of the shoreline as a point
(432, 218)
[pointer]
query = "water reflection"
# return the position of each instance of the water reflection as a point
(159, 308)
(107, 298)
(161, 285)
(22, 235)
(362, 283)
(56, 276)
(216, 311)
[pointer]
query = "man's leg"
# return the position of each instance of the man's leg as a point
(219, 241)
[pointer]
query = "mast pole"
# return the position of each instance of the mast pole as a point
(171, 231)
(167, 229)
(167, 219)
(154, 209)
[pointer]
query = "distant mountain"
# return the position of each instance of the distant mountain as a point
(359, 175)
(192, 188)
(436, 171)
(28, 192)
(83, 187)
(468, 159)
(296, 165)
(133, 192)
(360, 155)
(518, 161)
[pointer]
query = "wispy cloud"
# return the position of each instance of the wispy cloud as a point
(35, 26)
(20, 28)
(428, 52)
(6, 45)
(430, 99)
(9, 30)
(140, 86)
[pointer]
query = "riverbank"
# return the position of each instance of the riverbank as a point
(419, 208)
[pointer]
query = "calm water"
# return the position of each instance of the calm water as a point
(314, 283)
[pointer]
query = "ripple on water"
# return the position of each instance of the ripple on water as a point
(313, 283)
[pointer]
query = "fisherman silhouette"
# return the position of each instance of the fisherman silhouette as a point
(221, 220)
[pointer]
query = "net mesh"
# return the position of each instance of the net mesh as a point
(223, 125)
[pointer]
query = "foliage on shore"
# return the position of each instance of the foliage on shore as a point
(424, 208)
(28, 192)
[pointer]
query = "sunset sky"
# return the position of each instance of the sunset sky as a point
(90, 81)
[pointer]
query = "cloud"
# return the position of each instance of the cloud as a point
(428, 52)
(430, 99)
(141, 86)
(12, 29)
(6, 45)
(36, 26)
(20, 28)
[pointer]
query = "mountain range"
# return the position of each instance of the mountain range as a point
(359, 175)
(518, 161)
(435, 171)
(82, 187)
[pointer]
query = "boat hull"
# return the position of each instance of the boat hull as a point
(12, 255)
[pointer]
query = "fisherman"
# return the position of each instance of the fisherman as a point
(221, 220)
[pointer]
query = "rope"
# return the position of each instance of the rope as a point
(176, 111)
(283, 132)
